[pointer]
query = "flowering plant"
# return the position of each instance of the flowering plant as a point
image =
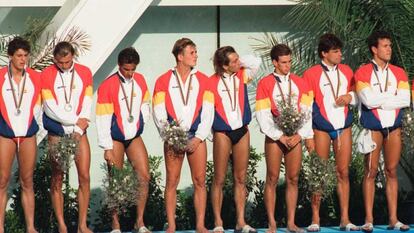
(63, 152)
(288, 119)
(121, 187)
(319, 175)
(408, 130)
(175, 136)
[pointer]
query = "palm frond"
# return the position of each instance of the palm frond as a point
(264, 45)
(4, 41)
(78, 38)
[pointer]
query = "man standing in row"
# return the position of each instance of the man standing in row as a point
(67, 99)
(383, 90)
(333, 86)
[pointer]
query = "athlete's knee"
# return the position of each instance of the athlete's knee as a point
(391, 172)
(272, 179)
(4, 181)
(84, 179)
(342, 173)
(26, 183)
(172, 182)
(371, 172)
(199, 181)
(292, 180)
(240, 179)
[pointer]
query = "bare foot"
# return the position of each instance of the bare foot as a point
(202, 230)
(31, 230)
(63, 229)
(84, 229)
(271, 229)
(170, 230)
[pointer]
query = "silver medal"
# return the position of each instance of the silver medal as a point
(18, 111)
(130, 119)
(68, 107)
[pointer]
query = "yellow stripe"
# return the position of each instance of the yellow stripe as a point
(361, 85)
(89, 91)
(39, 100)
(159, 98)
(403, 85)
(246, 78)
(47, 94)
(104, 109)
(307, 98)
(146, 96)
(263, 104)
(208, 96)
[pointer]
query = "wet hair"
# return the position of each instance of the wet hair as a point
(62, 49)
(128, 56)
(16, 44)
(328, 42)
(180, 45)
(221, 58)
(279, 50)
(373, 39)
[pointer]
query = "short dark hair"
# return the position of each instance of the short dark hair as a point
(64, 48)
(180, 45)
(327, 42)
(16, 44)
(128, 56)
(279, 50)
(375, 37)
(221, 58)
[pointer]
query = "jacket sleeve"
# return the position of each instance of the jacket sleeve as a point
(401, 99)
(207, 115)
(370, 98)
(250, 65)
(158, 103)
(145, 103)
(88, 97)
(104, 113)
(264, 114)
(306, 101)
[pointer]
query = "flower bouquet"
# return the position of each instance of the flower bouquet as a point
(288, 119)
(63, 152)
(175, 136)
(121, 187)
(319, 175)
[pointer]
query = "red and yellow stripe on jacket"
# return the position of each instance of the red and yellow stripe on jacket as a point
(24, 124)
(112, 112)
(268, 96)
(381, 109)
(197, 116)
(56, 119)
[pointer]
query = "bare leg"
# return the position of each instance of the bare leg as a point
(240, 163)
(221, 154)
(293, 161)
(27, 163)
(7, 153)
(138, 157)
(56, 188)
(371, 169)
(273, 161)
(83, 161)
(173, 164)
(198, 164)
